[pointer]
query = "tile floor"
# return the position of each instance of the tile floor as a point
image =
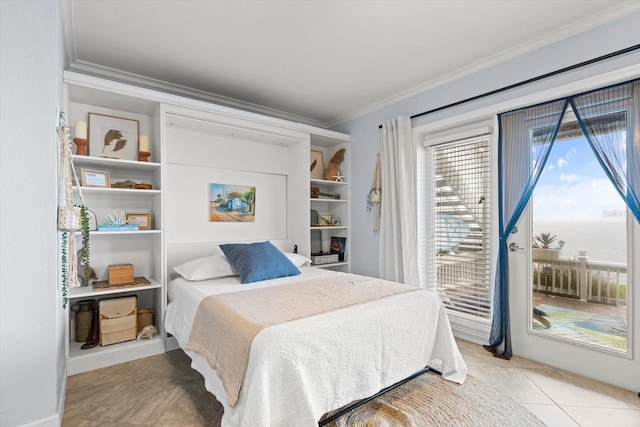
(557, 397)
(130, 397)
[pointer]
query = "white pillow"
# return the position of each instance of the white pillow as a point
(204, 268)
(297, 259)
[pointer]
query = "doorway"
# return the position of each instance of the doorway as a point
(571, 292)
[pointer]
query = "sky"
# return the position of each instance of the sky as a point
(573, 186)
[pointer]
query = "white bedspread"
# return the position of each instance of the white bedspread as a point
(300, 370)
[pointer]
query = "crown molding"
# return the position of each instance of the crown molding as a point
(624, 9)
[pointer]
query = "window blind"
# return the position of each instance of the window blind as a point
(460, 220)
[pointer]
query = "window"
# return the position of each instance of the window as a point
(458, 217)
(580, 281)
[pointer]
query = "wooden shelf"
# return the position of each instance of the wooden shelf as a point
(329, 200)
(123, 233)
(123, 191)
(88, 292)
(113, 164)
(327, 182)
(333, 264)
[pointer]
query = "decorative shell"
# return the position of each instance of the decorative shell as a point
(116, 218)
(338, 157)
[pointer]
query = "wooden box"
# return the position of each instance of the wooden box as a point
(120, 273)
(118, 319)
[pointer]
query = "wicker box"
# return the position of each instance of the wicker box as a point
(145, 318)
(120, 273)
(118, 319)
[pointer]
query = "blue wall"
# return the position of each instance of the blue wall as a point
(366, 136)
(32, 358)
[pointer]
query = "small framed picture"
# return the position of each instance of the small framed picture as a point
(93, 222)
(335, 221)
(113, 137)
(325, 220)
(317, 165)
(142, 219)
(338, 246)
(93, 178)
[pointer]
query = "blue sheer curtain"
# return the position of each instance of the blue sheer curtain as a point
(609, 119)
(525, 140)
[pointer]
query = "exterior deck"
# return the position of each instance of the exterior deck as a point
(582, 300)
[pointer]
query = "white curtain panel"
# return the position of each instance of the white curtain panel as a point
(398, 227)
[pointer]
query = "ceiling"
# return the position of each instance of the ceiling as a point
(318, 62)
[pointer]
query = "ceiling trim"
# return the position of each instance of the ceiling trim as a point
(161, 85)
(624, 9)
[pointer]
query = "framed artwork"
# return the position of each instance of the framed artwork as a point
(232, 203)
(142, 219)
(113, 137)
(93, 222)
(335, 221)
(93, 178)
(325, 220)
(338, 246)
(317, 165)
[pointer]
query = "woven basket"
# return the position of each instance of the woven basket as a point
(145, 318)
(83, 319)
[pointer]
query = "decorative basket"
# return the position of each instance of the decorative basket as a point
(83, 317)
(145, 318)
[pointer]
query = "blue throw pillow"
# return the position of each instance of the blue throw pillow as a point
(258, 261)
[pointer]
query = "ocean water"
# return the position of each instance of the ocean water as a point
(605, 240)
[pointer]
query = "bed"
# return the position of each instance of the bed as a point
(301, 369)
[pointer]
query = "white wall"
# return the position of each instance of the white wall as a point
(366, 137)
(32, 362)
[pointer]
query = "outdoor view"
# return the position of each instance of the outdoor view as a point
(579, 255)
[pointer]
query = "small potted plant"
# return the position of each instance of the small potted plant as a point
(542, 249)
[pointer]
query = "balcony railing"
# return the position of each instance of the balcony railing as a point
(581, 278)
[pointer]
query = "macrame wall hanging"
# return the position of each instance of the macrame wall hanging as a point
(375, 195)
(71, 218)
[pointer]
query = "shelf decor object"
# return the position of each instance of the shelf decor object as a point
(113, 137)
(102, 285)
(94, 178)
(81, 138)
(338, 246)
(118, 227)
(81, 144)
(374, 198)
(118, 221)
(317, 164)
(143, 149)
(71, 218)
(332, 172)
(143, 220)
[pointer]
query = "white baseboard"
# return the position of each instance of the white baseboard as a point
(171, 344)
(56, 419)
(469, 328)
(52, 421)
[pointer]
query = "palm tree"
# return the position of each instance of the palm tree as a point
(544, 240)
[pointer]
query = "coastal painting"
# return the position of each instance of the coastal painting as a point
(232, 203)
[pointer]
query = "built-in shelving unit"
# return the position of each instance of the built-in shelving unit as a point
(336, 207)
(143, 248)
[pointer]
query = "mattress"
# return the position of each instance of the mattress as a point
(302, 369)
